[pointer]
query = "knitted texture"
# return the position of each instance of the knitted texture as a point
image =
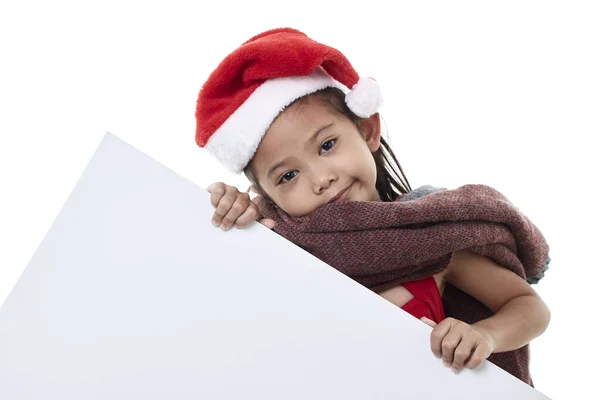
(382, 244)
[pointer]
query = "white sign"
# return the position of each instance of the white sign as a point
(133, 294)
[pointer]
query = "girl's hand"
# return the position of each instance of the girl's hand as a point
(459, 344)
(233, 207)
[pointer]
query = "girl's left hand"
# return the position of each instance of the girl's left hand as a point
(459, 344)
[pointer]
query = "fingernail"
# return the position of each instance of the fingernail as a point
(224, 227)
(455, 370)
(214, 222)
(446, 363)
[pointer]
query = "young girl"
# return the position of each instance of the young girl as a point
(279, 109)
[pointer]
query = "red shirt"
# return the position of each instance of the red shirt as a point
(426, 301)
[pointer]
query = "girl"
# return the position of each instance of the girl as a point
(276, 108)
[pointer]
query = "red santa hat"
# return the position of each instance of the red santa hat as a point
(252, 85)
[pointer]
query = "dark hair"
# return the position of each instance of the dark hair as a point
(391, 180)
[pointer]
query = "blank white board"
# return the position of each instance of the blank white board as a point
(134, 294)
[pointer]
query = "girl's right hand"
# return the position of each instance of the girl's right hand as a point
(234, 208)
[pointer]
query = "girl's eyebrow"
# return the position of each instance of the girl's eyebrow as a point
(310, 140)
(274, 167)
(319, 130)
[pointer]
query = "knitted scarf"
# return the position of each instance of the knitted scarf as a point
(383, 244)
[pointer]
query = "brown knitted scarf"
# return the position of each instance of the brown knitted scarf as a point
(382, 244)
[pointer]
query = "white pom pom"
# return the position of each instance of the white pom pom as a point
(365, 98)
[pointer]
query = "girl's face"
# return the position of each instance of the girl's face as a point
(311, 156)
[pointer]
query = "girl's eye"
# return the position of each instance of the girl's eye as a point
(288, 176)
(326, 146)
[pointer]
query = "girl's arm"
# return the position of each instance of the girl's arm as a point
(519, 313)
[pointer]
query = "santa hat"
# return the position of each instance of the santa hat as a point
(252, 85)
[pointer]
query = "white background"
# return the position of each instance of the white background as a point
(506, 94)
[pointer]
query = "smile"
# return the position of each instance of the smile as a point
(341, 196)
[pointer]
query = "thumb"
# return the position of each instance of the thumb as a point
(428, 322)
(269, 223)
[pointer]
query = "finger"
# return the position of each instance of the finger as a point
(438, 334)
(253, 189)
(462, 353)
(258, 199)
(239, 206)
(216, 190)
(449, 345)
(224, 203)
(269, 223)
(477, 357)
(428, 322)
(247, 216)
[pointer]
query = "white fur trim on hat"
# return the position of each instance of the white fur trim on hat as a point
(236, 141)
(365, 98)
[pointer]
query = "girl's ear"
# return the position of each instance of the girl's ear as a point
(371, 131)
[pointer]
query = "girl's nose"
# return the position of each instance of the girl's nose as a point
(323, 180)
